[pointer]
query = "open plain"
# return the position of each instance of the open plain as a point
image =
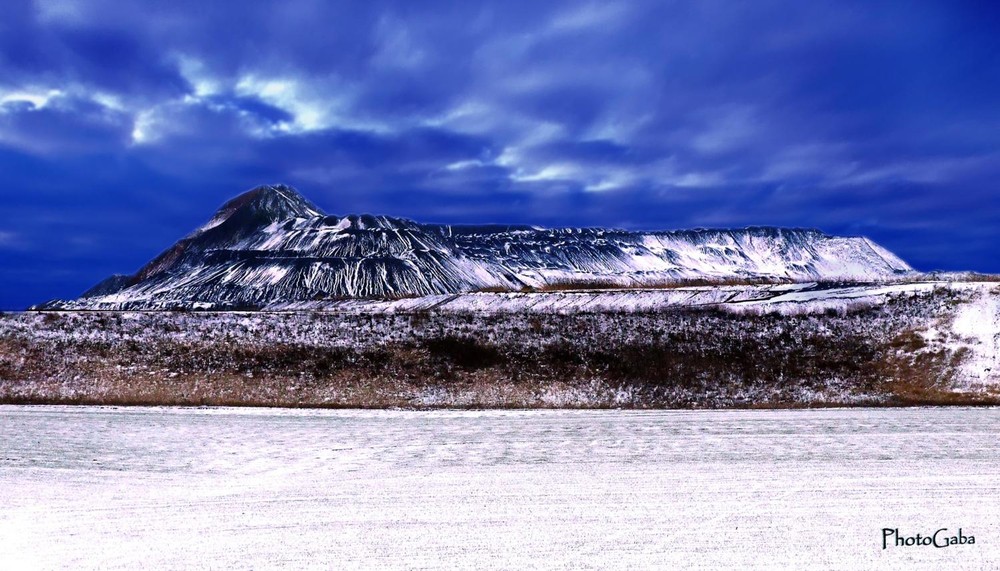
(128, 488)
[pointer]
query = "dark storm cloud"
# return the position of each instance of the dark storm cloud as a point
(124, 125)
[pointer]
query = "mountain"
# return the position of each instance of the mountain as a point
(271, 245)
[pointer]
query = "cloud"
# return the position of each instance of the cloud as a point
(856, 116)
(61, 124)
(35, 98)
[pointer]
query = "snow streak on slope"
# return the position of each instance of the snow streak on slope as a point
(271, 245)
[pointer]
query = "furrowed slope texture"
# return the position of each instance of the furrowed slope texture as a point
(271, 245)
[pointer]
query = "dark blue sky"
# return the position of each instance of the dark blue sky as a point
(124, 125)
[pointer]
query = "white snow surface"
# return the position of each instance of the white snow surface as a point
(169, 488)
(977, 327)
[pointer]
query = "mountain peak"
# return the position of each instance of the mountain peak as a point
(263, 205)
(278, 199)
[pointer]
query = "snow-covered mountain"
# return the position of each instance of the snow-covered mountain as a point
(271, 246)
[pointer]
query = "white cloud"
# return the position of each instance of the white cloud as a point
(611, 181)
(313, 107)
(143, 127)
(61, 11)
(39, 98)
(108, 100)
(197, 75)
(462, 165)
(285, 94)
(476, 117)
(695, 180)
(42, 97)
(470, 114)
(172, 118)
(593, 16)
(559, 171)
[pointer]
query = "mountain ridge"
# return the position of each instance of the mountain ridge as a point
(271, 245)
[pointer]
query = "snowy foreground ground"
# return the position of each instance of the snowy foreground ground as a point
(87, 487)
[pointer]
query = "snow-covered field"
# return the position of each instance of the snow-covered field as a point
(85, 487)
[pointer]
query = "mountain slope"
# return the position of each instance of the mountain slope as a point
(271, 245)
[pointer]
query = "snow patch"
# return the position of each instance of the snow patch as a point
(977, 323)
